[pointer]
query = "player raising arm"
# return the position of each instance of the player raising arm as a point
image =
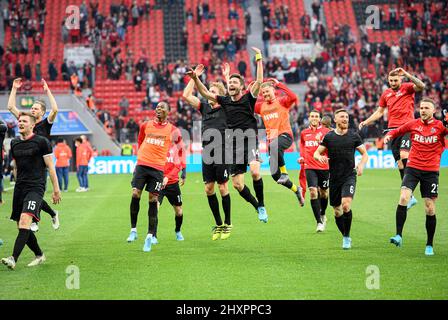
(239, 109)
(341, 145)
(428, 142)
(399, 102)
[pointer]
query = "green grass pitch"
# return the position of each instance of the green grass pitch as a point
(283, 259)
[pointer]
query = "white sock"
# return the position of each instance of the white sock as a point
(133, 229)
(149, 236)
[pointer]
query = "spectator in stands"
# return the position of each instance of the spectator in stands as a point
(233, 14)
(266, 36)
(119, 126)
(74, 81)
(52, 71)
(154, 97)
(27, 71)
(199, 12)
(242, 68)
(90, 101)
(135, 13)
(133, 129)
(124, 106)
(145, 104)
(206, 40)
(231, 51)
(248, 21)
(138, 81)
(315, 6)
(38, 71)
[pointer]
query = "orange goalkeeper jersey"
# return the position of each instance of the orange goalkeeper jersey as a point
(154, 142)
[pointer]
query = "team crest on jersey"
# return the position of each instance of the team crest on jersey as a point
(389, 95)
(433, 130)
(399, 94)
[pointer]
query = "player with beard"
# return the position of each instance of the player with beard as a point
(341, 145)
(428, 143)
(42, 128)
(399, 102)
(239, 108)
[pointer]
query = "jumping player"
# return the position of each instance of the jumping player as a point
(274, 112)
(239, 108)
(428, 143)
(214, 167)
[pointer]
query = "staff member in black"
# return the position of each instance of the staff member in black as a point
(33, 156)
(42, 128)
(341, 145)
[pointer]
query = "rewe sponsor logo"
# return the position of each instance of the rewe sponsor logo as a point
(271, 116)
(311, 143)
(423, 139)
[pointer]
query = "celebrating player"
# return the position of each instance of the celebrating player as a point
(175, 163)
(214, 124)
(154, 141)
(341, 145)
(33, 156)
(239, 108)
(428, 142)
(275, 114)
(317, 174)
(399, 101)
(42, 128)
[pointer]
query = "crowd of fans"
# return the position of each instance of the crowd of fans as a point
(341, 76)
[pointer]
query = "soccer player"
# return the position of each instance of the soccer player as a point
(214, 124)
(239, 108)
(341, 145)
(274, 112)
(42, 128)
(317, 174)
(3, 130)
(154, 141)
(33, 156)
(63, 154)
(399, 102)
(428, 142)
(175, 163)
(84, 153)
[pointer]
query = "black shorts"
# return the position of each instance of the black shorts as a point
(317, 178)
(429, 181)
(399, 143)
(148, 176)
(243, 155)
(27, 200)
(215, 173)
(343, 188)
(172, 192)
